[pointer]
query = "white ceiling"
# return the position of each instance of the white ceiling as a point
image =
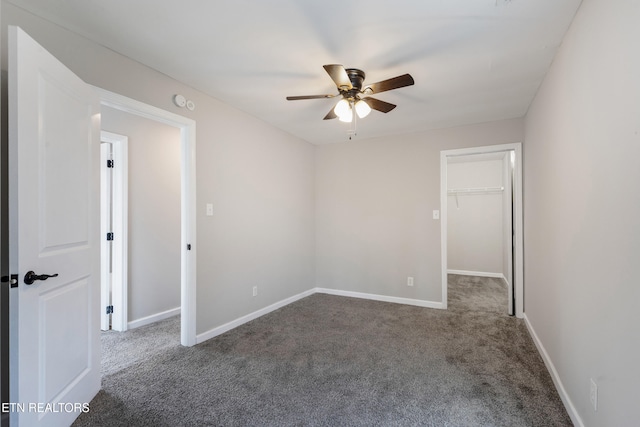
(472, 60)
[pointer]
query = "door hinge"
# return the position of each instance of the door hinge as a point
(109, 236)
(110, 164)
(188, 246)
(109, 309)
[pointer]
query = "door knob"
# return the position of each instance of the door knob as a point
(31, 277)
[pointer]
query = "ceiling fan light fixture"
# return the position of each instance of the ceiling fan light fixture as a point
(362, 108)
(347, 117)
(342, 108)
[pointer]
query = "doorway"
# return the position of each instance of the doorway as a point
(187, 238)
(506, 193)
(145, 231)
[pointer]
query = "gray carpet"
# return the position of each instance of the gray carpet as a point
(336, 361)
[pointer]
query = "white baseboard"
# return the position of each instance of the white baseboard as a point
(249, 317)
(375, 297)
(153, 318)
(477, 273)
(568, 404)
(505, 282)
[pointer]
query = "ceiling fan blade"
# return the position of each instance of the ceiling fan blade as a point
(331, 115)
(339, 75)
(376, 104)
(297, 98)
(389, 84)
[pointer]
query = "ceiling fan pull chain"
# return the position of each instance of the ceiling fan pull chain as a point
(354, 122)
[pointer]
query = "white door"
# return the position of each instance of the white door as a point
(54, 151)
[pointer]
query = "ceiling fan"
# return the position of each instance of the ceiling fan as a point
(355, 96)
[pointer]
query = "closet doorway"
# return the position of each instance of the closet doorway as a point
(481, 221)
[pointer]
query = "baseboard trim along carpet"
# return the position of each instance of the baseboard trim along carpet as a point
(251, 316)
(384, 298)
(477, 273)
(568, 404)
(153, 318)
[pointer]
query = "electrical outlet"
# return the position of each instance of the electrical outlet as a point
(409, 281)
(209, 209)
(594, 395)
(255, 291)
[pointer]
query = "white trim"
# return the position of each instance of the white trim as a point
(249, 317)
(385, 298)
(105, 212)
(120, 275)
(505, 282)
(519, 258)
(477, 273)
(444, 201)
(120, 218)
(252, 316)
(188, 200)
(154, 318)
(507, 200)
(568, 404)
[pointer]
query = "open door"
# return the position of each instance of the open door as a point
(54, 151)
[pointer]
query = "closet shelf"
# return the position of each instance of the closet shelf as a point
(475, 190)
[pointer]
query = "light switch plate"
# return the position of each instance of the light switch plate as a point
(436, 214)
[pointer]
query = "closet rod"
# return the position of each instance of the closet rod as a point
(475, 190)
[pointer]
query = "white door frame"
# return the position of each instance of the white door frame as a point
(507, 179)
(120, 228)
(105, 218)
(188, 200)
(517, 184)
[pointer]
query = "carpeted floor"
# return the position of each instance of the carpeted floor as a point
(336, 361)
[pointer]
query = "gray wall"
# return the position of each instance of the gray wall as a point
(582, 211)
(259, 179)
(154, 212)
(374, 203)
(475, 238)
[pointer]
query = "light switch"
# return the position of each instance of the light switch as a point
(209, 209)
(436, 214)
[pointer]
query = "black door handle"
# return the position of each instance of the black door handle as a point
(31, 277)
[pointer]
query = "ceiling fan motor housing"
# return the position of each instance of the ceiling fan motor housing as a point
(357, 79)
